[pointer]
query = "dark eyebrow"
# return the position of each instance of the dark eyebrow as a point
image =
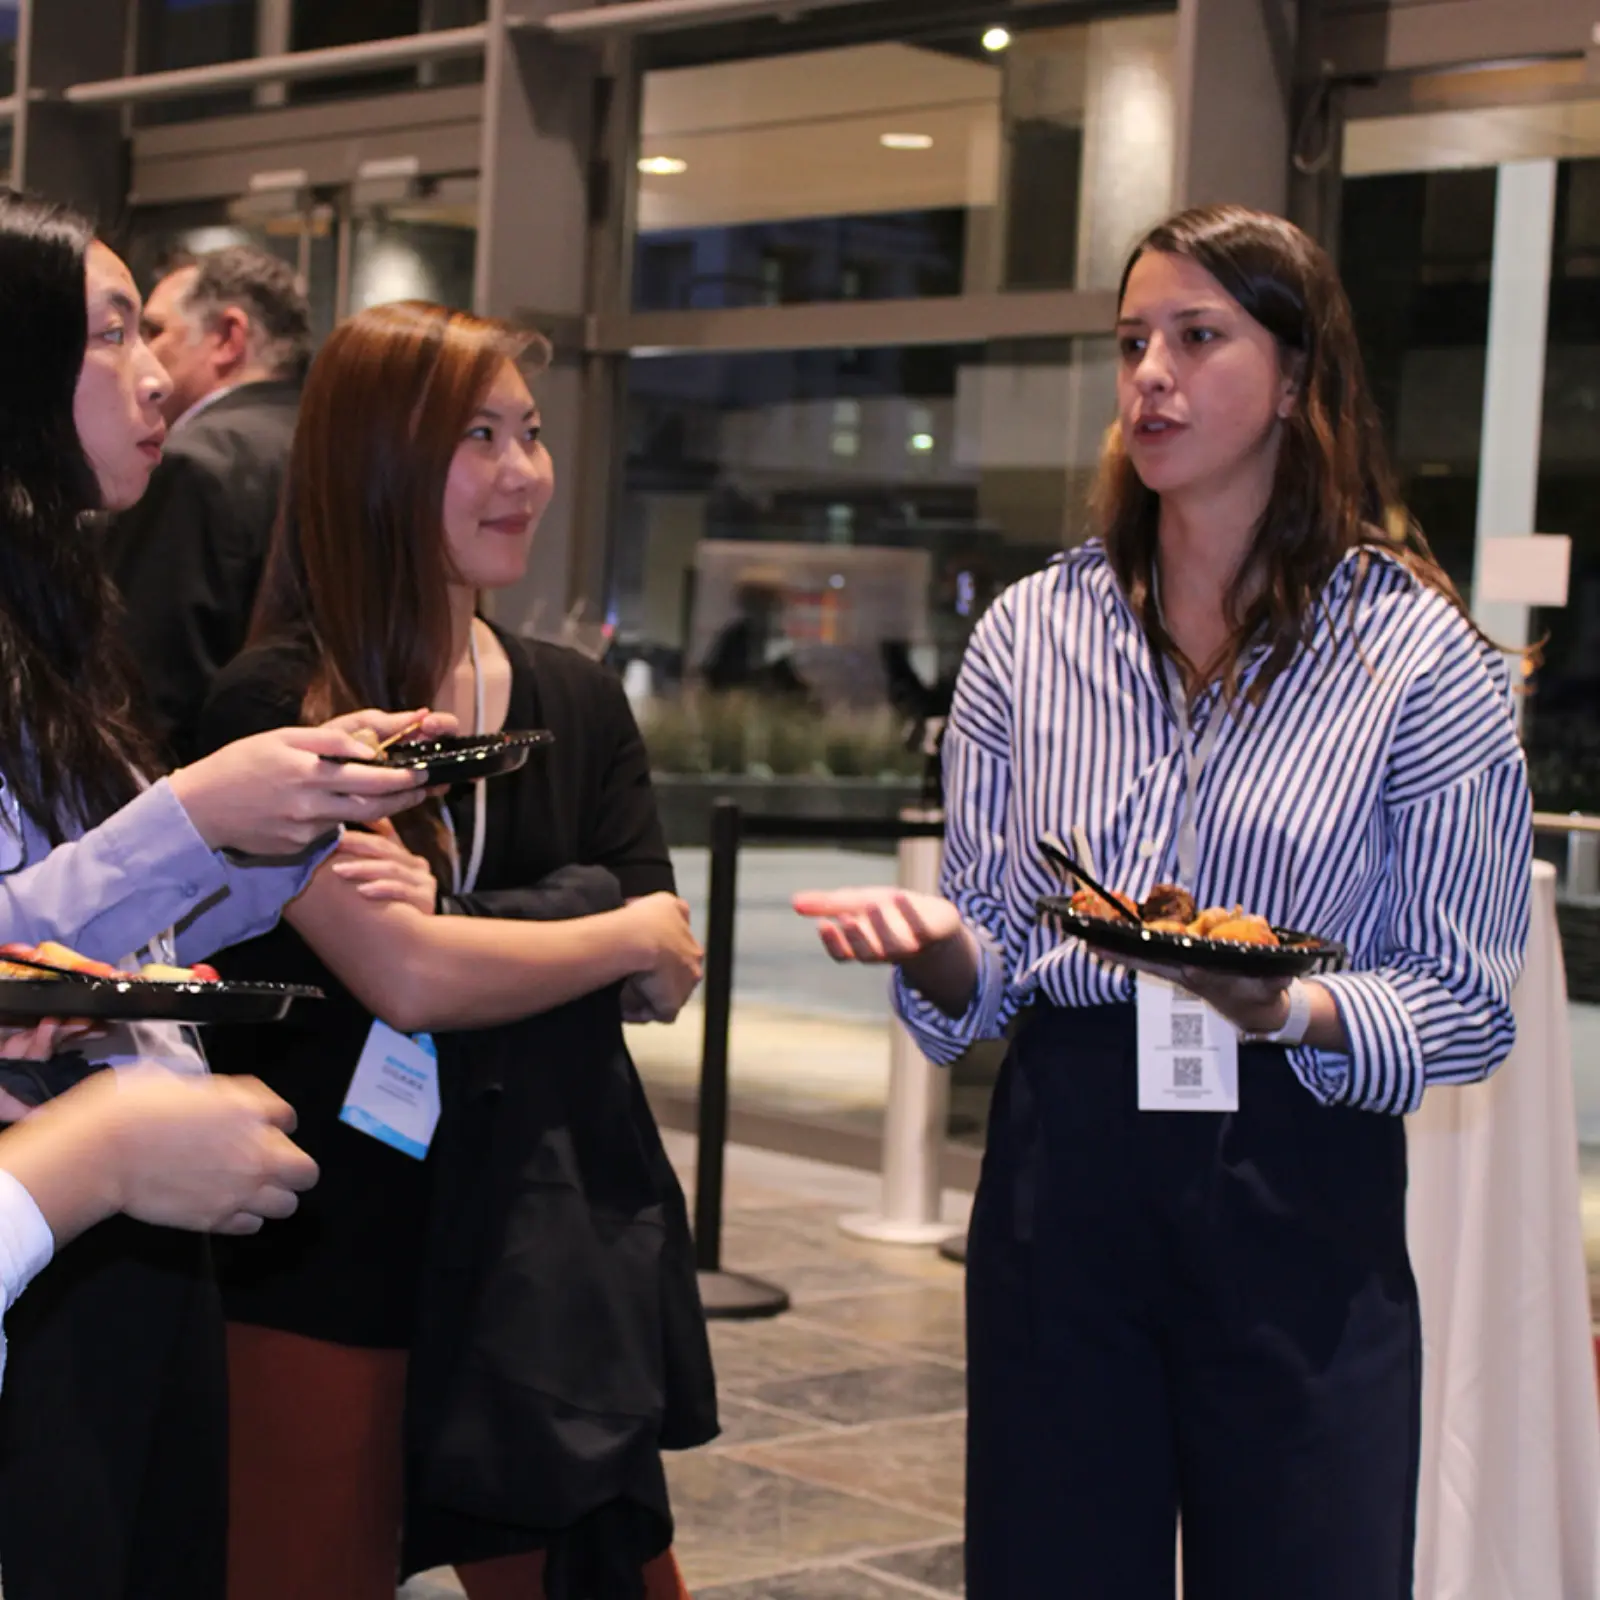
(118, 301)
(1189, 314)
(495, 416)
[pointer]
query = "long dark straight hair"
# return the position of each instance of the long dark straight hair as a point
(70, 744)
(358, 573)
(1333, 489)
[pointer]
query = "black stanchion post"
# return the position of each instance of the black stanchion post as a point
(723, 1294)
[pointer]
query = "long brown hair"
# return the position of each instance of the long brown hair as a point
(1333, 490)
(359, 572)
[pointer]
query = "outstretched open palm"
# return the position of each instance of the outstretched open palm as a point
(878, 923)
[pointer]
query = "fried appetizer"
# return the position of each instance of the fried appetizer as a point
(1245, 930)
(1167, 902)
(1088, 904)
(1211, 917)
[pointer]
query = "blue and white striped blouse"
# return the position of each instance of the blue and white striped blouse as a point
(1377, 796)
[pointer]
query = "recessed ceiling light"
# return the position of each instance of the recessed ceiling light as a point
(663, 166)
(996, 38)
(906, 141)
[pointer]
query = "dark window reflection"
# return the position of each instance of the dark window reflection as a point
(324, 24)
(1563, 726)
(194, 33)
(8, 64)
(197, 33)
(1416, 250)
(882, 450)
(1042, 204)
(889, 256)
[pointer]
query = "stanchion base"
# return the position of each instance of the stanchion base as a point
(884, 1230)
(731, 1296)
(955, 1250)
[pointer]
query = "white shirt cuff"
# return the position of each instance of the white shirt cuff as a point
(26, 1244)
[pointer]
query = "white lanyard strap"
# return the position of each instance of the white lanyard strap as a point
(1195, 755)
(460, 884)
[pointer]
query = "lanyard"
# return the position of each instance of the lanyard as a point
(460, 884)
(1195, 756)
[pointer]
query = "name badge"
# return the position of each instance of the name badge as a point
(394, 1094)
(1188, 1053)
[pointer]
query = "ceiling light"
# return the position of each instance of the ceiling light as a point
(996, 38)
(921, 443)
(906, 141)
(663, 166)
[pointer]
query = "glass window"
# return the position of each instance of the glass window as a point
(321, 24)
(194, 33)
(904, 169)
(308, 240)
(420, 251)
(1416, 251)
(1562, 725)
(8, 56)
(828, 525)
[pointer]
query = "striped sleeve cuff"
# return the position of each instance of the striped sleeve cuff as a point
(942, 1039)
(1384, 1068)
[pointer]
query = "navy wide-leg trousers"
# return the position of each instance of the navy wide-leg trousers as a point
(1189, 1314)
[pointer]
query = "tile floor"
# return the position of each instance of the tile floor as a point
(838, 1475)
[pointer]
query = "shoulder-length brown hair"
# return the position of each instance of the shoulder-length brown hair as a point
(1333, 491)
(358, 573)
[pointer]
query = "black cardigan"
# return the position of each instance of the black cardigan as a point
(560, 1344)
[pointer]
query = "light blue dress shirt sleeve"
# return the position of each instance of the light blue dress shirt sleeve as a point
(143, 870)
(26, 1244)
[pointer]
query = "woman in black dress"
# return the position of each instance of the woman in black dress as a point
(415, 482)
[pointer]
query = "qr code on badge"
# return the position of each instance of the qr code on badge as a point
(1188, 1072)
(1188, 1030)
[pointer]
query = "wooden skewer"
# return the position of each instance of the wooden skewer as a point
(395, 738)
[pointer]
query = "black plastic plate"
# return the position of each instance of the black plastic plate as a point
(1298, 954)
(145, 1000)
(463, 758)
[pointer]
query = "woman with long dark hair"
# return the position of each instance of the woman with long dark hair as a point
(520, 1278)
(1258, 684)
(111, 1424)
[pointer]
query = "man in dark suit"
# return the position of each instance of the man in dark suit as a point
(232, 328)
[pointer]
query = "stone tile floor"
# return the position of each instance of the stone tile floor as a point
(838, 1475)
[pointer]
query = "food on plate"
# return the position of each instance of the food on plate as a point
(370, 739)
(1089, 904)
(1171, 909)
(158, 972)
(1244, 930)
(52, 954)
(1168, 903)
(67, 961)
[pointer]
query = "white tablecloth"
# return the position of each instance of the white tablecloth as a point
(1510, 1502)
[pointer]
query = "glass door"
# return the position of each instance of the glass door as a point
(309, 231)
(351, 249)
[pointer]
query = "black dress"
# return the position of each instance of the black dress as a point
(368, 1249)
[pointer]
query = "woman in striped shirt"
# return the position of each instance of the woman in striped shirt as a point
(1258, 682)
